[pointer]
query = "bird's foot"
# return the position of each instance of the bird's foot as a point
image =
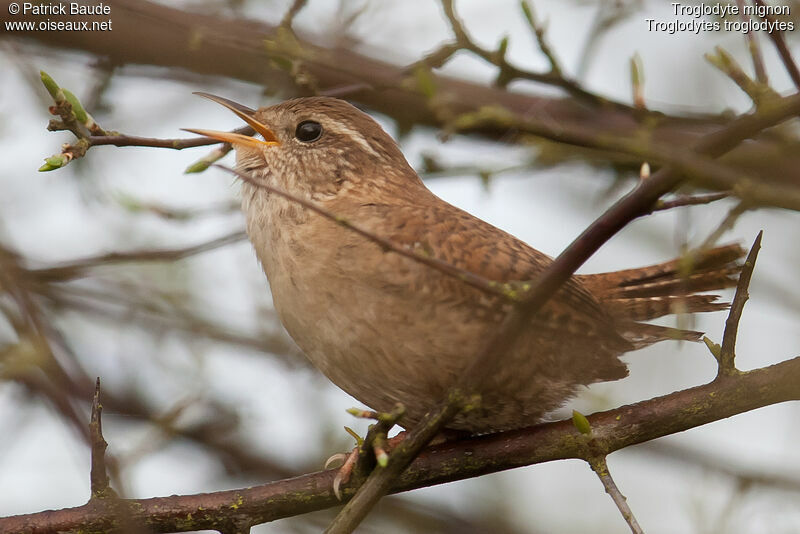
(373, 448)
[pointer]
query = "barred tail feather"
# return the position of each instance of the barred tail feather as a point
(667, 288)
(642, 334)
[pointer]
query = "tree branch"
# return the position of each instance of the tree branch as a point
(727, 353)
(161, 34)
(455, 460)
(637, 203)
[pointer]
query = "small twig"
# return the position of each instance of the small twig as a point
(727, 365)
(291, 13)
(509, 72)
(377, 432)
(757, 91)
(506, 291)
(209, 159)
(456, 460)
(75, 269)
(690, 200)
(539, 30)
(710, 460)
(780, 46)
(600, 467)
(635, 204)
(700, 170)
(175, 144)
(177, 214)
(99, 475)
(74, 118)
(381, 480)
(726, 224)
(755, 49)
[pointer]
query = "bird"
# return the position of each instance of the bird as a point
(388, 329)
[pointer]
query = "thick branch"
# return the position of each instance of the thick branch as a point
(154, 34)
(611, 431)
(482, 363)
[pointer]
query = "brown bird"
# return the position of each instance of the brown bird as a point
(386, 328)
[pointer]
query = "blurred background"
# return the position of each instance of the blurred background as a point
(204, 391)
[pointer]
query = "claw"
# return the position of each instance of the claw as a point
(338, 457)
(343, 476)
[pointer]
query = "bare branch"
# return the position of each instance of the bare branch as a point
(754, 48)
(780, 46)
(99, 477)
(454, 460)
(600, 467)
(505, 290)
(291, 13)
(77, 268)
(687, 200)
(727, 365)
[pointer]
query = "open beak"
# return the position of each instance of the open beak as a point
(247, 115)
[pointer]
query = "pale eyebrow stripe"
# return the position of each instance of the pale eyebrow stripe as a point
(355, 135)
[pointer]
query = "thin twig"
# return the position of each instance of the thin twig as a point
(75, 269)
(727, 223)
(539, 32)
(99, 475)
(635, 204)
(710, 460)
(454, 460)
(600, 467)
(780, 46)
(689, 200)
(291, 13)
(178, 214)
(727, 355)
(755, 49)
(725, 62)
(175, 144)
(509, 72)
(491, 287)
(700, 170)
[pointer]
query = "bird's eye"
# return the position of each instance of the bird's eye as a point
(308, 131)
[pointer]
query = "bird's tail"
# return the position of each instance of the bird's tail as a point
(672, 287)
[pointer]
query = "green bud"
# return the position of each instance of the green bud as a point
(382, 458)
(54, 162)
(502, 48)
(581, 423)
(52, 87)
(359, 439)
(526, 10)
(77, 107)
(425, 81)
(197, 166)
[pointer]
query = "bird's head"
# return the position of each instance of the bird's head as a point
(320, 146)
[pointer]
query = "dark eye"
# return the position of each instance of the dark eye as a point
(308, 131)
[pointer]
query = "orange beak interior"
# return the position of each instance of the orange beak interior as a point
(247, 115)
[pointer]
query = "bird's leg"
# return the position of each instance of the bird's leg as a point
(372, 449)
(376, 447)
